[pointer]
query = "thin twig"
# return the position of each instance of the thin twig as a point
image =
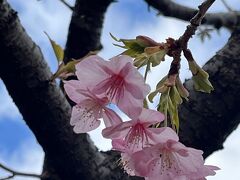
(182, 42)
(66, 4)
(227, 6)
(194, 23)
(16, 173)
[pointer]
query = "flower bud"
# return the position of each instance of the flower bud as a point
(146, 41)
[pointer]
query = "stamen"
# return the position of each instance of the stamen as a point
(136, 137)
(115, 89)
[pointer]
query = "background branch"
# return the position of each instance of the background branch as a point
(66, 4)
(43, 106)
(85, 28)
(17, 173)
(172, 9)
(227, 6)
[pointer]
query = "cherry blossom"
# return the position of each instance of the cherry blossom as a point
(124, 161)
(170, 160)
(118, 78)
(137, 133)
(89, 108)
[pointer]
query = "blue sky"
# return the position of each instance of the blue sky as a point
(125, 19)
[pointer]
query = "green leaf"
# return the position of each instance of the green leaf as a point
(68, 68)
(152, 95)
(175, 119)
(161, 82)
(140, 60)
(157, 57)
(203, 85)
(175, 96)
(130, 52)
(124, 47)
(59, 53)
(181, 89)
(145, 103)
(118, 40)
(193, 67)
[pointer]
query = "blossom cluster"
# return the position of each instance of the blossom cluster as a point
(146, 151)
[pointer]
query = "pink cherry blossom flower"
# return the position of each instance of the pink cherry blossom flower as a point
(89, 108)
(170, 161)
(137, 134)
(118, 78)
(119, 144)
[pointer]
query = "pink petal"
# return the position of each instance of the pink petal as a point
(135, 84)
(83, 120)
(110, 117)
(102, 86)
(150, 116)
(118, 144)
(140, 161)
(129, 105)
(117, 63)
(127, 165)
(177, 147)
(162, 135)
(91, 125)
(118, 131)
(71, 88)
(91, 70)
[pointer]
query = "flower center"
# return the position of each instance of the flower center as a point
(169, 163)
(137, 137)
(116, 87)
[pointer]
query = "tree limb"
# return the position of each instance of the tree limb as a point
(43, 106)
(17, 173)
(85, 28)
(172, 9)
(66, 4)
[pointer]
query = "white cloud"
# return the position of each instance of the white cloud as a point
(27, 158)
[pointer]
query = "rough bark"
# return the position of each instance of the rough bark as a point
(85, 28)
(46, 111)
(43, 106)
(172, 9)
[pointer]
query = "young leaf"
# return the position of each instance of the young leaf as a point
(118, 40)
(65, 69)
(59, 53)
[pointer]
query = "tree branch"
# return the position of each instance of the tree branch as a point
(182, 43)
(194, 23)
(227, 6)
(17, 173)
(172, 9)
(85, 28)
(66, 4)
(43, 106)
